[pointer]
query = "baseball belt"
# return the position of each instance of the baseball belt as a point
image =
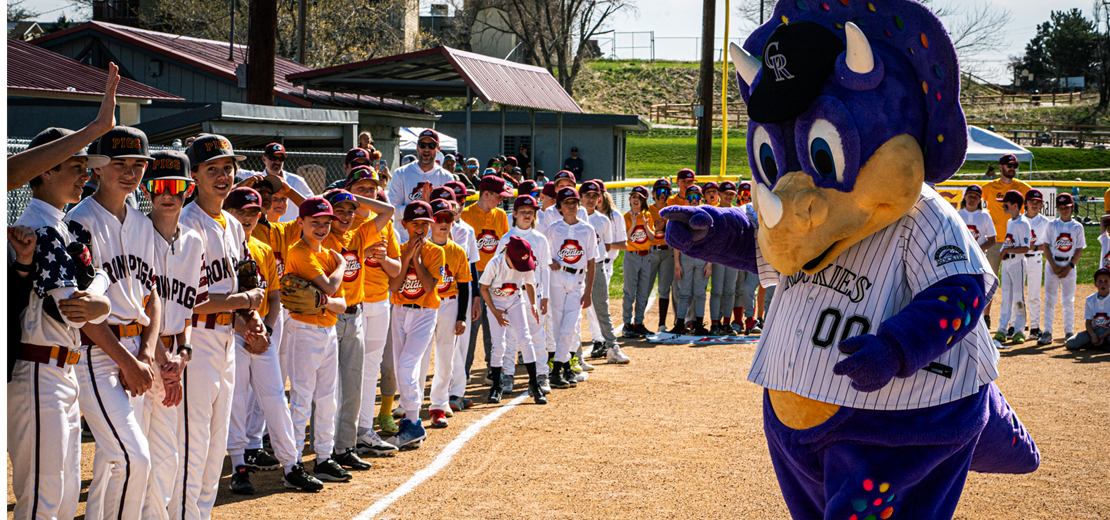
(167, 341)
(660, 248)
(643, 253)
(48, 355)
(120, 331)
(211, 320)
(572, 270)
(352, 309)
(411, 306)
(1062, 258)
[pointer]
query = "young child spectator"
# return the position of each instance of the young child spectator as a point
(1096, 314)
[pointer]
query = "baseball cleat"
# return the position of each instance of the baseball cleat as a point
(507, 385)
(544, 383)
(386, 424)
(617, 357)
(259, 459)
(409, 435)
(298, 478)
(581, 377)
(398, 413)
(1000, 336)
(1045, 338)
(372, 445)
(586, 367)
(629, 332)
(439, 418)
(1019, 337)
(1035, 333)
(575, 365)
(642, 330)
(557, 380)
(569, 376)
(467, 403)
(536, 393)
(241, 481)
(331, 471)
(349, 459)
(494, 394)
(455, 403)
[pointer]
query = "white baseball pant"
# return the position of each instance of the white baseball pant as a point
(508, 340)
(446, 350)
(315, 368)
(260, 375)
(44, 440)
(538, 344)
(1013, 294)
(285, 355)
(203, 417)
(121, 464)
(413, 331)
(1034, 270)
(256, 417)
(462, 345)
(1066, 286)
(159, 424)
(566, 307)
(375, 326)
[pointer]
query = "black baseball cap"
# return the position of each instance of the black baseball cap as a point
(124, 142)
(798, 58)
(209, 147)
(574, 148)
(975, 188)
(53, 134)
(1008, 159)
(168, 164)
(728, 186)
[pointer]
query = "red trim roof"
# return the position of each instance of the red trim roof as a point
(39, 71)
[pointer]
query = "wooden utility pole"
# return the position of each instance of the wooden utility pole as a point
(301, 22)
(705, 97)
(260, 58)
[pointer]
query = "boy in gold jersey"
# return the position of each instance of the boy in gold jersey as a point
(661, 259)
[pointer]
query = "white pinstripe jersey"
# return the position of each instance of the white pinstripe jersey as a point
(223, 249)
(182, 283)
(868, 283)
(126, 251)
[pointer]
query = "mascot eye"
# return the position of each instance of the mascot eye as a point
(765, 155)
(825, 151)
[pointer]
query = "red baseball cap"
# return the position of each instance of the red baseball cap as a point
(243, 198)
(1015, 197)
(274, 150)
(641, 191)
(566, 193)
(442, 206)
(745, 186)
(729, 186)
(315, 207)
(710, 186)
(564, 175)
(1064, 199)
(519, 253)
(494, 184)
(525, 201)
(418, 210)
(460, 190)
(1034, 195)
(549, 189)
(526, 187)
(428, 132)
(589, 187)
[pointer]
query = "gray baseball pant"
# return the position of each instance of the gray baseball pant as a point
(600, 303)
(349, 388)
(723, 292)
(637, 286)
(746, 286)
(691, 288)
(662, 265)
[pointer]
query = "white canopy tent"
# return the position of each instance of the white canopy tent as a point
(984, 145)
(409, 138)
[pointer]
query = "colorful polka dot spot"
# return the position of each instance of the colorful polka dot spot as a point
(924, 40)
(883, 487)
(853, 517)
(845, 2)
(956, 324)
(868, 485)
(887, 33)
(898, 22)
(936, 70)
(869, 517)
(891, 497)
(785, 19)
(877, 502)
(944, 324)
(940, 137)
(975, 303)
(962, 306)
(871, 7)
(825, 6)
(859, 505)
(938, 99)
(925, 87)
(838, 25)
(886, 513)
(943, 299)
(860, 22)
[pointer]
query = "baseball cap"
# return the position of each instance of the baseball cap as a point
(1034, 195)
(600, 183)
(549, 189)
(210, 147)
(511, 162)
(418, 210)
(1015, 197)
(589, 187)
(410, 158)
(274, 150)
(685, 173)
(495, 184)
(1101, 271)
(243, 198)
(809, 51)
(1064, 199)
(974, 188)
(442, 206)
(460, 190)
(566, 193)
(315, 207)
(336, 196)
(169, 164)
(355, 154)
(574, 148)
(489, 171)
(641, 191)
(525, 201)
(564, 175)
(660, 184)
(124, 142)
(526, 187)
(53, 134)
(362, 173)
(428, 132)
(444, 192)
(519, 253)
(710, 186)
(745, 186)
(1008, 159)
(729, 186)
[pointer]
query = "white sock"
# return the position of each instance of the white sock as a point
(237, 460)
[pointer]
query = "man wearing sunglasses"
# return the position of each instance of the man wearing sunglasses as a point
(416, 180)
(273, 157)
(470, 176)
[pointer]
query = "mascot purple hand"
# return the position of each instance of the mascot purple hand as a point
(874, 328)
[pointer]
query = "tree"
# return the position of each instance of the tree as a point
(18, 13)
(1064, 46)
(1102, 12)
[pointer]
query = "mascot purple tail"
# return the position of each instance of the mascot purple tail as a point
(877, 367)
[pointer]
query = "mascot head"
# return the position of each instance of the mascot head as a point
(852, 105)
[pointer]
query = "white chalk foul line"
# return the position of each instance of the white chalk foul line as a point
(442, 460)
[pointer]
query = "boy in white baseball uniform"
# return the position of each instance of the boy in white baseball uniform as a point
(463, 235)
(1034, 259)
(258, 371)
(1063, 245)
(1096, 316)
(180, 268)
(44, 431)
(613, 242)
(1104, 241)
(524, 226)
(313, 340)
(507, 278)
(573, 252)
(453, 290)
(209, 377)
(1014, 247)
(415, 305)
(122, 354)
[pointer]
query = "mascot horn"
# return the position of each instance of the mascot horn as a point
(878, 371)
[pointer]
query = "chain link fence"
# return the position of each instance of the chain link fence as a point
(318, 169)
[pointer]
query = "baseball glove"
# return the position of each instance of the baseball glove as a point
(247, 273)
(301, 296)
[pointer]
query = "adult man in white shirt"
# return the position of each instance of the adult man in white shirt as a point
(273, 156)
(416, 180)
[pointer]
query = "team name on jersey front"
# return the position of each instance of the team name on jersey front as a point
(351, 266)
(570, 252)
(487, 241)
(639, 234)
(448, 279)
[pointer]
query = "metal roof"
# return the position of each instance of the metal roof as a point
(445, 72)
(37, 72)
(212, 57)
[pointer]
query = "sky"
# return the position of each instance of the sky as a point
(677, 27)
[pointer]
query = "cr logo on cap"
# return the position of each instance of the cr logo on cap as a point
(778, 62)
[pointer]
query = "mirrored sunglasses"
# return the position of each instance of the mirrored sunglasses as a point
(444, 218)
(662, 192)
(173, 186)
(693, 197)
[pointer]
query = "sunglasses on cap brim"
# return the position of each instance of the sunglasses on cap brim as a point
(174, 186)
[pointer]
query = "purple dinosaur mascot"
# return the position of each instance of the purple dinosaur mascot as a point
(877, 369)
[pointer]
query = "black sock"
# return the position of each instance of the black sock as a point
(495, 375)
(531, 368)
(663, 305)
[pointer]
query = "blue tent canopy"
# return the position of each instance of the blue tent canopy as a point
(985, 145)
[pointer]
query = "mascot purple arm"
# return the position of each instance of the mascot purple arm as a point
(878, 372)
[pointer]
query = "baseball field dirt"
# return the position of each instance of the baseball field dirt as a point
(678, 434)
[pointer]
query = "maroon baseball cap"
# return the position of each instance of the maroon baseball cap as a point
(356, 154)
(526, 187)
(564, 175)
(1015, 197)
(1102, 271)
(442, 206)
(336, 196)
(495, 184)
(460, 190)
(274, 150)
(1064, 199)
(418, 210)
(549, 189)
(710, 186)
(315, 207)
(600, 183)
(1008, 159)
(444, 192)
(685, 173)
(243, 198)
(519, 253)
(641, 191)
(974, 188)
(428, 132)
(511, 162)
(745, 186)
(729, 186)
(566, 193)
(589, 187)
(525, 201)
(362, 173)
(1034, 195)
